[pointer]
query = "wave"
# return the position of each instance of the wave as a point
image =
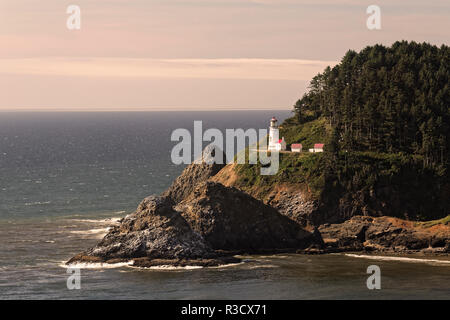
(168, 268)
(37, 203)
(99, 265)
(100, 221)
(91, 231)
(262, 266)
(402, 259)
(85, 265)
(220, 266)
(102, 226)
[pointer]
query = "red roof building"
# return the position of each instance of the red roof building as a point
(296, 147)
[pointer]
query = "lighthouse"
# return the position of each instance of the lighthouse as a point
(275, 143)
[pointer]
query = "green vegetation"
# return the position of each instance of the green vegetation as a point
(300, 169)
(364, 182)
(384, 117)
(386, 99)
(432, 223)
(309, 133)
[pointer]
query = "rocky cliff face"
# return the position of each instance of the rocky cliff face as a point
(197, 172)
(344, 228)
(198, 222)
(385, 234)
(201, 221)
(153, 235)
(292, 201)
(230, 219)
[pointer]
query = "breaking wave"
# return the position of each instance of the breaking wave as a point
(402, 259)
(99, 265)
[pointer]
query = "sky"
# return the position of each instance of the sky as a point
(134, 55)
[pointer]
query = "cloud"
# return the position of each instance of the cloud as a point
(261, 69)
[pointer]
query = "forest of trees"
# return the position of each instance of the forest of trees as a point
(386, 99)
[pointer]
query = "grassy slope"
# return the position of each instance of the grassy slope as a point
(307, 134)
(303, 169)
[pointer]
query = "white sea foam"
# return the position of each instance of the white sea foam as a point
(37, 203)
(97, 233)
(85, 265)
(262, 266)
(402, 259)
(100, 221)
(91, 231)
(227, 265)
(168, 267)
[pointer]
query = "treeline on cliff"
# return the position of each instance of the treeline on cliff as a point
(386, 99)
(384, 116)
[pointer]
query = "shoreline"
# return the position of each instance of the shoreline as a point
(412, 257)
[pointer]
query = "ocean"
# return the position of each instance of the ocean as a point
(66, 177)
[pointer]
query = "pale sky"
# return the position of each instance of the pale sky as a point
(190, 54)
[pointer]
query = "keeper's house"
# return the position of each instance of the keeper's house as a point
(318, 147)
(296, 147)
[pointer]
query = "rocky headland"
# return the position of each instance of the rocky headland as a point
(198, 222)
(202, 219)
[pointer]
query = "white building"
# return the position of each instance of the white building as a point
(275, 143)
(318, 147)
(296, 147)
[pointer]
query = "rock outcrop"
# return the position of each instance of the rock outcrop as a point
(199, 171)
(230, 219)
(198, 222)
(385, 234)
(292, 201)
(155, 234)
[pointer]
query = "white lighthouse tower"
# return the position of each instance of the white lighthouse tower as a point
(275, 143)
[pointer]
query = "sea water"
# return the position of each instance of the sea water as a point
(65, 178)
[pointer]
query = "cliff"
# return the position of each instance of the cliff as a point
(198, 222)
(232, 220)
(350, 223)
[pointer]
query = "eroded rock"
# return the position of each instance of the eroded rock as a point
(385, 234)
(230, 219)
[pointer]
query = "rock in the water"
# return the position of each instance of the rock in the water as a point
(155, 233)
(209, 225)
(384, 234)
